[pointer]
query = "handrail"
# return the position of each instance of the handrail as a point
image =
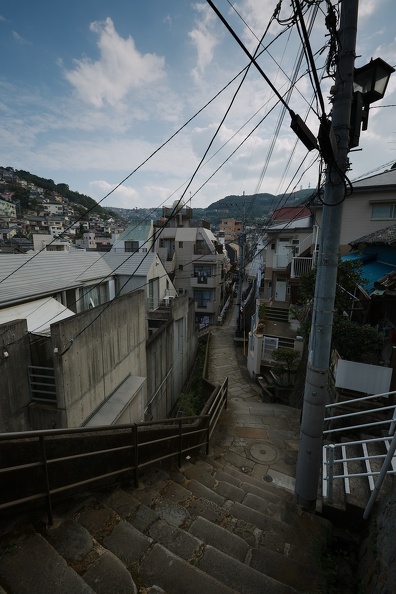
(39, 474)
(353, 400)
(329, 460)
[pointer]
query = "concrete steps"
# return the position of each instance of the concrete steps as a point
(202, 528)
(277, 314)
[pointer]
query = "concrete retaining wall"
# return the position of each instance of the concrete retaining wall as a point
(14, 386)
(107, 344)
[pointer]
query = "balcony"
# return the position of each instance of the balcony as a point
(300, 266)
(202, 280)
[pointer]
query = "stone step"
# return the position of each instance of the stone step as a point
(176, 576)
(206, 527)
(44, 570)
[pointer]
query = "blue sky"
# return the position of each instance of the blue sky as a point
(90, 89)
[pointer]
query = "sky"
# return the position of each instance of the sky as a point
(93, 93)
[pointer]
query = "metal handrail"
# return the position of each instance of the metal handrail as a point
(353, 400)
(196, 429)
(329, 460)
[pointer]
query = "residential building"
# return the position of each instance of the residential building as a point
(53, 208)
(7, 209)
(137, 237)
(45, 241)
(291, 249)
(135, 271)
(370, 207)
(195, 260)
(231, 229)
(75, 329)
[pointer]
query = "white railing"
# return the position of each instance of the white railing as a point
(300, 266)
(335, 455)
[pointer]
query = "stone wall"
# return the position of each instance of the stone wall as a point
(377, 567)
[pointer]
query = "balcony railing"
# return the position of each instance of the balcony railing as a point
(300, 266)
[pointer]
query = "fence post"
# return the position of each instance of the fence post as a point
(393, 423)
(330, 474)
(135, 455)
(207, 434)
(180, 443)
(46, 479)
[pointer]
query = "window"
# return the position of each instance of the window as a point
(131, 246)
(296, 246)
(180, 244)
(383, 211)
(180, 266)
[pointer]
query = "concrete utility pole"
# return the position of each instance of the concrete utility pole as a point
(315, 394)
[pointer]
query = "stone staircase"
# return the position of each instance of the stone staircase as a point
(277, 314)
(202, 528)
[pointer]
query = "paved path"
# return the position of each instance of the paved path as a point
(259, 438)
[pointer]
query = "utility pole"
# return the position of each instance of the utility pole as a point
(315, 393)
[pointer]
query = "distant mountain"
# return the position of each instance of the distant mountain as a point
(252, 209)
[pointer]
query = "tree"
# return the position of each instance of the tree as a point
(351, 339)
(286, 362)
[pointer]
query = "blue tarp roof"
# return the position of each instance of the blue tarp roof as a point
(372, 270)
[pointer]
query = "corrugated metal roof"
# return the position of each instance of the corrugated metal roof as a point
(387, 178)
(137, 230)
(23, 276)
(304, 223)
(39, 314)
(137, 263)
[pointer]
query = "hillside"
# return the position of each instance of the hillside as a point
(63, 190)
(251, 208)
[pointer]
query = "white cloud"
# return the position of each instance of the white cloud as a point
(204, 39)
(19, 39)
(120, 69)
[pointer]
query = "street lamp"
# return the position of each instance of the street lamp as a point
(369, 85)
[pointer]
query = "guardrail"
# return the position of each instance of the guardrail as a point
(40, 466)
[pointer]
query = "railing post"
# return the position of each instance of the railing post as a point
(393, 423)
(46, 479)
(207, 435)
(330, 474)
(135, 455)
(380, 478)
(180, 444)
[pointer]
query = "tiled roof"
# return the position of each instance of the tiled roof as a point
(386, 236)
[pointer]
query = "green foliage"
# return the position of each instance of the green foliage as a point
(349, 275)
(192, 401)
(353, 341)
(286, 363)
